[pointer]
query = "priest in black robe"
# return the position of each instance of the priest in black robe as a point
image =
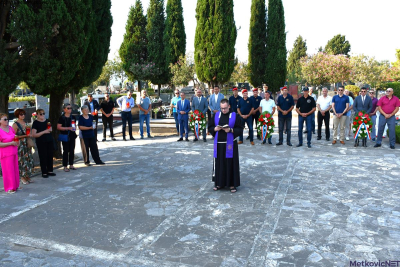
(226, 171)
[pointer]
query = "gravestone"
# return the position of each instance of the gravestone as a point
(43, 103)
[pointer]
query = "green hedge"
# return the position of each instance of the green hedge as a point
(395, 86)
(353, 88)
(30, 99)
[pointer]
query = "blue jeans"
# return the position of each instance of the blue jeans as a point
(184, 127)
(142, 118)
(391, 123)
(281, 123)
(175, 114)
(373, 130)
(249, 122)
(126, 116)
(308, 121)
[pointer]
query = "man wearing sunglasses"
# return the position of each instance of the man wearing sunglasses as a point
(388, 106)
(340, 105)
(362, 103)
(94, 108)
(174, 102)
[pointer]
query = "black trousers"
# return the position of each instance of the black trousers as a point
(68, 152)
(126, 116)
(326, 119)
(255, 120)
(108, 122)
(285, 123)
(96, 118)
(90, 143)
(45, 151)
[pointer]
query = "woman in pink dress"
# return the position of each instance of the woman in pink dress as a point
(8, 155)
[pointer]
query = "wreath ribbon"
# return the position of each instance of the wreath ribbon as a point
(363, 125)
(196, 130)
(264, 131)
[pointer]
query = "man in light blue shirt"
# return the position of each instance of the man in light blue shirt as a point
(348, 115)
(126, 103)
(144, 114)
(174, 102)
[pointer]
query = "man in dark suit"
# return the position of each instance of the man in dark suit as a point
(183, 108)
(200, 102)
(94, 108)
(362, 102)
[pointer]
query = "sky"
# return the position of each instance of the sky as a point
(370, 26)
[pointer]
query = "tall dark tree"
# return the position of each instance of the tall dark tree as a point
(133, 50)
(276, 46)
(174, 35)
(156, 48)
(257, 42)
(11, 71)
(215, 41)
(54, 36)
(338, 45)
(293, 64)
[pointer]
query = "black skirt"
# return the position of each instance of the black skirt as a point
(226, 170)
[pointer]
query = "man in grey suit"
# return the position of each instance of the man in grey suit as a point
(363, 102)
(200, 102)
(215, 100)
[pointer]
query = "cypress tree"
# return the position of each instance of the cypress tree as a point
(174, 35)
(338, 45)
(215, 40)
(133, 50)
(156, 48)
(257, 42)
(276, 46)
(293, 64)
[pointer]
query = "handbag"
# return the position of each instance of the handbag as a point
(29, 140)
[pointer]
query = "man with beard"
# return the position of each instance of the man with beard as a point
(225, 126)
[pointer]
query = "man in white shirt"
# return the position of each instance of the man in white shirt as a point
(126, 103)
(324, 105)
(267, 104)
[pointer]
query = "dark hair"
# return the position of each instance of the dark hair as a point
(216, 85)
(90, 94)
(18, 112)
(341, 86)
(66, 105)
(224, 101)
(363, 88)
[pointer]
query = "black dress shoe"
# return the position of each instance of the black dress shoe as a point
(103, 140)
(100, 163)
(318, 138)
(187, 139)
(299, 145)
(248, 137)
(195, 140)
(88, 164)
(45, 176)
(328, 139)
(258, 137)
(180, 139)
(204, 140)
(131, 138)
(113, 139)
(289, 144)
(313, 132)
(52, 174)
(305, 132)
(392, 147)
(124, 139)
(377, 145)
(309, 146)
(279, 144)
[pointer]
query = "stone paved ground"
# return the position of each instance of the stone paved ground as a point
(153, 205)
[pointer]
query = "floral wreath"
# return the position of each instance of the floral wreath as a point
(197, 122)
(362, 125)
(265, 125)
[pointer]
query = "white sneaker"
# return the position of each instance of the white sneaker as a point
(347, 139)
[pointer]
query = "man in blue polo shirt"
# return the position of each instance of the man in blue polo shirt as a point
(285, 105)
(245, 110)
(340, 105)
(234, 100)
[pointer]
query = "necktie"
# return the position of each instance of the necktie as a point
(199, 99)
(363, 99)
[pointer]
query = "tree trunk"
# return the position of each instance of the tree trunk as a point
(139, 86)
(72, 98)
(159, 90)
(4, 104)
(56, 101)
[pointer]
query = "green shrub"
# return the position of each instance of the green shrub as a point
(395, 86)
(353, 88)
(30, 99)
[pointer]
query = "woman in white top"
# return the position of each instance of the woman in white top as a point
(267, 104)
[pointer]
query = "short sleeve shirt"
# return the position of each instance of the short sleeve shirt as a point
(245, 106)
(88, 123)
(340, 103)
(324, 102)
(174, 102)
(40, 126)
(285, 104)
(144, 103)
(351, 102)
(305, 105)
(388, 105)
(107, 106)
(267, 105)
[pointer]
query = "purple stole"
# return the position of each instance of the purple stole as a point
(229, 136)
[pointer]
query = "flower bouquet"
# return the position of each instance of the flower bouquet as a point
(197, 122)
(265, 125)
(34, 116)
(362, 125)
